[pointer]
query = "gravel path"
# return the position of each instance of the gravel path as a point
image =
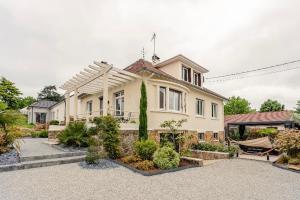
(228, 179)
(8, 158)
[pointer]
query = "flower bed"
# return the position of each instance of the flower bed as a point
(184, 164)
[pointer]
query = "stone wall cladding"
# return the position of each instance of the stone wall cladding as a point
(127, 140)
(52, 135)
(209, 155)
(209, 137)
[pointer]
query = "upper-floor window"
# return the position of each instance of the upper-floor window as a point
(214, 110)
(197, 79)
(200, 107)
(162, 97)
(186, 74)
(101, 105)
(175, 100)
(119, 103)
(89, 107)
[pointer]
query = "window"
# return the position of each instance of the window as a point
(201, 136)
(119, 103)
(89, 107)
(186, 74)
(216, 136)
(200, 107)
(174, 100)
(101, 105)
(197, 79)
(214, 110)
(162, 98)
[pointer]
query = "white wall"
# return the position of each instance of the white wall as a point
(32, 114)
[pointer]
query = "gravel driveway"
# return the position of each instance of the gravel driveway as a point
(228, 179)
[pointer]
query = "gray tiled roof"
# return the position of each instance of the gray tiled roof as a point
(43, 104)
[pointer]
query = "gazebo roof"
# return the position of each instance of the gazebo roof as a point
(91, 80)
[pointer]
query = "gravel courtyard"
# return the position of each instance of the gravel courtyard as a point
(228, 179)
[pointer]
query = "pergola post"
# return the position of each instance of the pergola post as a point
(67, 97)
(105, 93)
(75, 104)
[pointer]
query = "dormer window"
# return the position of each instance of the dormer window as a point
(186, 74)
(197, 79)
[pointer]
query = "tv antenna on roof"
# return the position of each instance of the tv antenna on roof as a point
(155, 58)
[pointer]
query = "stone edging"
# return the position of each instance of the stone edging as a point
(285, 167)
(150, 173)
(215, 152)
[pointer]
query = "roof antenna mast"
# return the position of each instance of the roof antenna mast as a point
(155, 58)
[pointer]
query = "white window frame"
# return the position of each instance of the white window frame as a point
(164, 98)
(186, 71)
(174, 100)
(214, 110)
(196, 80)
(117, 96)
(89, 107)
(198, 103)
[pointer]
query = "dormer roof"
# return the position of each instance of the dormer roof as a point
(184, 60)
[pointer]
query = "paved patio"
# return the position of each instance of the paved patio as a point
(226, 179)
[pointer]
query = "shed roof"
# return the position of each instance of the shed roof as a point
(259, 118)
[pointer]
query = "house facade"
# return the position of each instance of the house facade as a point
(174, 91)
(39, 112)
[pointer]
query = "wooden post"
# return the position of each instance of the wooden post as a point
(75, 104)
(67, 97)
(105, 93)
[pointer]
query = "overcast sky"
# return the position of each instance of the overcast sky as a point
(47, 42)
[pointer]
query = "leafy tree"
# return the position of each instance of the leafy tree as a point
(49, 93)
(237, 105)
(9, 93)
(298, 107)
(3, 106)
(143, 135)
(26, 101)
(271, 106)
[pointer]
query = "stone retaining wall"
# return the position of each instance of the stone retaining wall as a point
(209, 155)
(128, 138)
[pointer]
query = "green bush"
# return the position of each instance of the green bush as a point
(54, 122)
(74, 135)
(283, 159)
(35, 134)
(232, 150)
(166, 158)
(43, 134)
(145, 149)
(92, 131)
(95, 150)
(145, 165)
(108, 128)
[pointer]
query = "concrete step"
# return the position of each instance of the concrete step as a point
(51, 156)
(42, 163)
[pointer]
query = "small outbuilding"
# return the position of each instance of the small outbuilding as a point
(278, 120)
(39, 112)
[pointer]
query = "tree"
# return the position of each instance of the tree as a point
(9, 93)
(237, 105)
(143, 134)
(26, 101)
(49, 93)
(3, 106)
(298, 107)
(271, 106)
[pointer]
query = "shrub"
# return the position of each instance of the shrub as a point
(288, 142)
(93, 131)
(282, 159)
(232, 150)
(35, 134)
(130, 159)
(43, 134)
(54, 122)
(166, 158)
(74, 135)
(145, 149)
(145, 165)
(95, 151)
(108, 128)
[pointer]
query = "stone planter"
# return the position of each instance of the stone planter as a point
(209, 155)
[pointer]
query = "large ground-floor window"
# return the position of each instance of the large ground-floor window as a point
(119, 103)
(40, 118)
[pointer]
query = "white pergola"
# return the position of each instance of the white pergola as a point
(94, 79)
